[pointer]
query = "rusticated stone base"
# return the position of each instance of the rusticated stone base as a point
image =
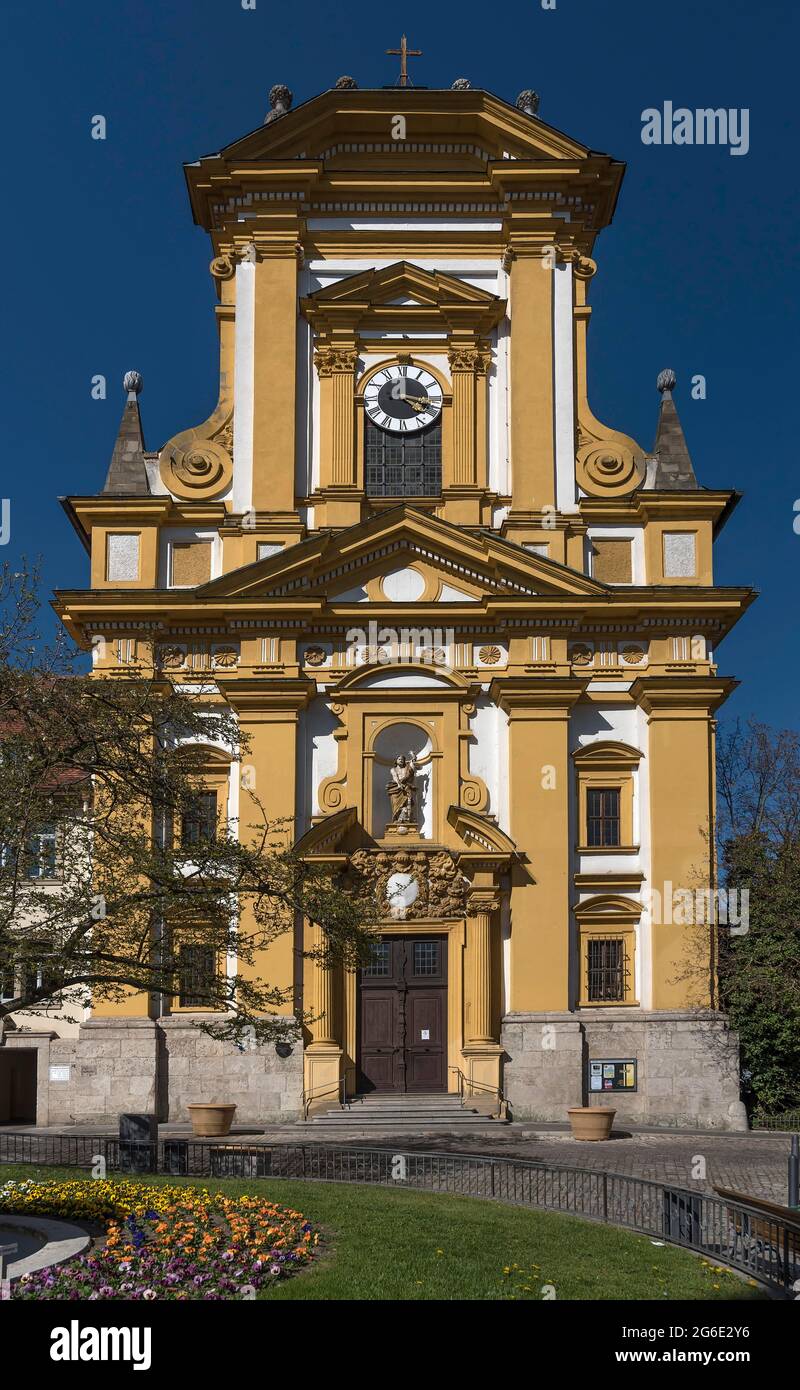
(142, 1065)
(262, 1085)
(688, 1066)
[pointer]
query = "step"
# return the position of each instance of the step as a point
(446, 1120)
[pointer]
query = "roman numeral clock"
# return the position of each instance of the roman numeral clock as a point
(403, 407)
(403, 399)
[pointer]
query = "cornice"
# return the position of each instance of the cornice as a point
(663, 696)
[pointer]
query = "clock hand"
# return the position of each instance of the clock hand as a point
(417, 403)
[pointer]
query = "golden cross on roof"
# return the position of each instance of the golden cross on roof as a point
(404, 53)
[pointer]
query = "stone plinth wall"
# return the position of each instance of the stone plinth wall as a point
(194, 1067)
(688, 1066)
(157, 1067)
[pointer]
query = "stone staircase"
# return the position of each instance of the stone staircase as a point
(395, 1114)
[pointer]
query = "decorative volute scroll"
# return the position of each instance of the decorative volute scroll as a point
(608, 462)
(197, 464)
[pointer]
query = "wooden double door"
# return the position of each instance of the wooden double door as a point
(402, 1016)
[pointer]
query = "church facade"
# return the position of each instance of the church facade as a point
(470, 630)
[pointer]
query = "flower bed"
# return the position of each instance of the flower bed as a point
(163, 1242)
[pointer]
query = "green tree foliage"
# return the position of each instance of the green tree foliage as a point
(759, 852)
(108, 870)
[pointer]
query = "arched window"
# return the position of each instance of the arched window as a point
(403, 466)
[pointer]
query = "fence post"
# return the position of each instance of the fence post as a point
(793, 1199)
(605, 1196)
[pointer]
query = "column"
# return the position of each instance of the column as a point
(324, 1024)
(465, 485)
(480, 908)
(539, 771)
(532, 432)
(275, 373)
(680, 716)
(336, 365)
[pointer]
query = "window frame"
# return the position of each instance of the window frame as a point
(606, 766)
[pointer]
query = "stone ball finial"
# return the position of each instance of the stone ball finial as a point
(461, 84)
(132, 383)
(345, 84)
(665, 381)
(528, 101)
(280, 100)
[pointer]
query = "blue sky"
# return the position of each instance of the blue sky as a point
(104, 269)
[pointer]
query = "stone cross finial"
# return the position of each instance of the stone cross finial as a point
(280, 100)
(528, 101)
(665, 381)
(132, 383)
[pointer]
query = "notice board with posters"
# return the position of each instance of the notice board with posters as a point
(612, 1074)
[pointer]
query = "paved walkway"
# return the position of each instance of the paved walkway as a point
(754, 1163)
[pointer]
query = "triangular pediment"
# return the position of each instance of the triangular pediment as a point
(494, 127)
(402, 557)
(399, 283)
(406, 292)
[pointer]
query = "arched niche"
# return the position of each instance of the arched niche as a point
(393, 738)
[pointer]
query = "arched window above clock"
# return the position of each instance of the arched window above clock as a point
(403, 433)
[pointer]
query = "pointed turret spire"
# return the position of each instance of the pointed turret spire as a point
(126, 472)
(673, 465)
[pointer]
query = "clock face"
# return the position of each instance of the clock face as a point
(403, 399)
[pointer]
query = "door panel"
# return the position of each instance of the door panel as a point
(379, 1046)
(402, 1044)
(425, 1052)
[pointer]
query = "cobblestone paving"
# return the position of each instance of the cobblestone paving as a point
(749, 1163)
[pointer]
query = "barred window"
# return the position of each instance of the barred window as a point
(199, 820)
(607, 970)
(196, 976)
(602, 816)
(403, 466)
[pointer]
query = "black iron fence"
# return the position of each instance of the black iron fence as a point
(786, 1122)
(757, 1243)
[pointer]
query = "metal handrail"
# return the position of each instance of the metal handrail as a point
(502, 1103)
(340, 1089)
(730, 1232)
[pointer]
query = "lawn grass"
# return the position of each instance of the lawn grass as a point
(380, 1244)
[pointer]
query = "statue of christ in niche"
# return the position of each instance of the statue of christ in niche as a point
(402, 790)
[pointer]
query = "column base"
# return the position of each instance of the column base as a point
(482, 1066)
(323, 1073)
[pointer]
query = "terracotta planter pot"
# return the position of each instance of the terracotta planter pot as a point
(211, 1121)
(591, 1122)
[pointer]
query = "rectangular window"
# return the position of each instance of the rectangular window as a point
(40, 853)
(612, 561)
(602, 817)
(607, 970)
(426, 957)
(190, 563)
(196, 976)
(122, 556)
(38, 974)
(199, 820)
(379, 961)
(7, 990)
(265, 549)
